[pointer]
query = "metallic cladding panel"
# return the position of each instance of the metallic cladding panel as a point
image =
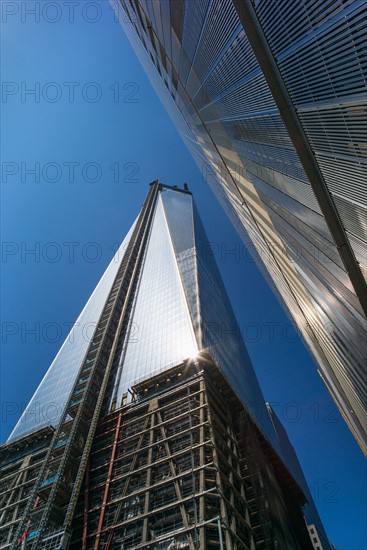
(240, 142)
(324, 69)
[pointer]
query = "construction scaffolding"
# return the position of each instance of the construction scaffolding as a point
(21, 462)
(184, 467)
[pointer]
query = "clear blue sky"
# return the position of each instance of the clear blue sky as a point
(123, 142)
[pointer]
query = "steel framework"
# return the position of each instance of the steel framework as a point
(183, 466)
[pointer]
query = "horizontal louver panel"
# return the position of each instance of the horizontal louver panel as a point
(237, 63)
(338, 130)
(333, 63)
(344, 178)
(286, 21)
(354, 216)
(284, 161)
(267, 129)
(220, 24)
(253, 96)
(195, 13)
(359, 248)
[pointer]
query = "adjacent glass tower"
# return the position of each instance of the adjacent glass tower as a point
(153, 432)
(270, 97)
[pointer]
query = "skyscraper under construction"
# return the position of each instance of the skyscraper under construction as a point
(154, 433)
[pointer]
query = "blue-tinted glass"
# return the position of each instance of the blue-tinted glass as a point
(179, 213)
(162, 334)
(222, 336)
(51, 395)
(215, 324)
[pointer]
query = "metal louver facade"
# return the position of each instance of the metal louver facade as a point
(270, 97)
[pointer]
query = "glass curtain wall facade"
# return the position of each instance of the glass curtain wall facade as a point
(180, 306)
(49, 400)
(270, 99)
(91, 472)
